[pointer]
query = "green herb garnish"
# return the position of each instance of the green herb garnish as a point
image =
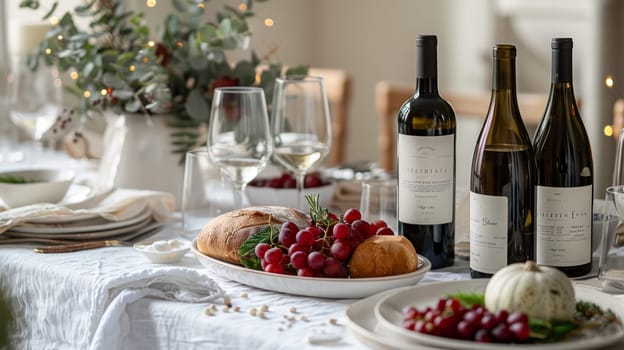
(11, 179)
(468, 298)
(246, 251)
(319, 215)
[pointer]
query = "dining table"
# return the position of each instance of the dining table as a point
(115, 298)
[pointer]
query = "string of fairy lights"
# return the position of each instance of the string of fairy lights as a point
(74, 75)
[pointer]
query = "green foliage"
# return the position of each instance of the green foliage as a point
(10, 179)
(246, 251)
(125, 68)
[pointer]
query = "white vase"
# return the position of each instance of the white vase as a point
(138, 154)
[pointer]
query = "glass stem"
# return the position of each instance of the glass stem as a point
(238, 195)
(300, 180)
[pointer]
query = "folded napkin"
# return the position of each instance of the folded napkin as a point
(120, 204)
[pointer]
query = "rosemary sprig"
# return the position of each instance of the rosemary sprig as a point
(319, 215)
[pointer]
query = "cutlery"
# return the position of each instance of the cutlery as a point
(126, 240)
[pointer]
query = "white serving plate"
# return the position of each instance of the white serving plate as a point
(311, 286)
(88, 225)
(388, 308)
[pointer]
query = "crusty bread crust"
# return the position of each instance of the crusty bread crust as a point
(222, 236)
(383, 256)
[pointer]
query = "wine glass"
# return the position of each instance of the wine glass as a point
(34, 99)
(300, 125)
(239, 141)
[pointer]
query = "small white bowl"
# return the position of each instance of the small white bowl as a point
(287, 197)
(43, 186)
(161, 252)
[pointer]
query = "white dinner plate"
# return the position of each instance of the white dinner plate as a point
(388, 313)
(75, 196)
(88, 225)
(311, 286)
(81, 236)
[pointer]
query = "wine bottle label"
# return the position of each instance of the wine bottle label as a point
(488, 232)
(426, 179)
(563, 225)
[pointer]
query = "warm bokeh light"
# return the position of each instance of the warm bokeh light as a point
(151, 43)
(53, 20)
(150, 3)
(48, 51)
(73, 75)
(86, 94)
(268, 22)
(609, 81)
(103, 92)
(59, 37)
(242, 7)
(608, 130)
(145, 59)
(132, 68)
(258, 77)
(201, 5)
(180, 44)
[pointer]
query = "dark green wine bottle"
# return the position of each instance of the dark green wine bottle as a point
(502, 178)
(426, 163)
(564, 192)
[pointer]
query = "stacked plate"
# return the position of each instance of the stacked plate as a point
(376, 321)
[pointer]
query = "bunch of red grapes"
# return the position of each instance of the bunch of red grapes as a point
(452, 320)
(288, 181)
(316, 251)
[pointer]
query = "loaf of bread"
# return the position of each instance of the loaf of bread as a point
(383, 256)
(222, 236)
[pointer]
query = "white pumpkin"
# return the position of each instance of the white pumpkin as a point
(539, 291)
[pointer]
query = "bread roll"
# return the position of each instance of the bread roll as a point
(383, 256)
(222, 236)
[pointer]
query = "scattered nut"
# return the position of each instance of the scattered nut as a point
(225, 308)
(236, 309)
(261, 314)
(333, 321)
(208, 312)
(244, 295)
(303, 318)
(293, 310)
(227, 300)
(264, 308)
(213, 307)
(253, 311)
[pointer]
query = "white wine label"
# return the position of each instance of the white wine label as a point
(563, 225)
(488, 232)
(426, 179)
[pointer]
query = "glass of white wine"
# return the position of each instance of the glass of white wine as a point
(35, 97)
(300, 125)
(239, 140)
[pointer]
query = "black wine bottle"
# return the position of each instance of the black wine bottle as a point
(502, 178)
(564, 192)
(426, 163)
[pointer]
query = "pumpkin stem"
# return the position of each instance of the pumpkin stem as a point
(531, 266)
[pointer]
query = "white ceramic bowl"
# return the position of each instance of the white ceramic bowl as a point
(168, 255)
(43, 186)
(287, 197)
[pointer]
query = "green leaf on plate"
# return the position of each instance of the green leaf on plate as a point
(246, 251)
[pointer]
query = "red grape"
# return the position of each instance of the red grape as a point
(297, 248)
(312, 180)
(305, 272)
(287, 236)
(385, 231)
(453, 304)
(466, 330)
(333, 268)
(483, 336)
(263, 264)
(340, 250)
(305, 237)
(299, 259)
(409, 324)
(517, 317)
(520, 331)
(471, 316)
(291, 225)
(260, 249)
(501, 333)
(488, 321)
(351, 215)
(316, 261)
(375, 225)
(341, 231)
(441, 304)
(501, 316)
(410, 312)
(274, 268)
(273, 255)
(362, 227)
(332, 216)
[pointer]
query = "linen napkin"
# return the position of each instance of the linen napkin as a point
(120, 204)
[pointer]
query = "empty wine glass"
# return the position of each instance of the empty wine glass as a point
(239, 142)
(35, 97)
(300, 125)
